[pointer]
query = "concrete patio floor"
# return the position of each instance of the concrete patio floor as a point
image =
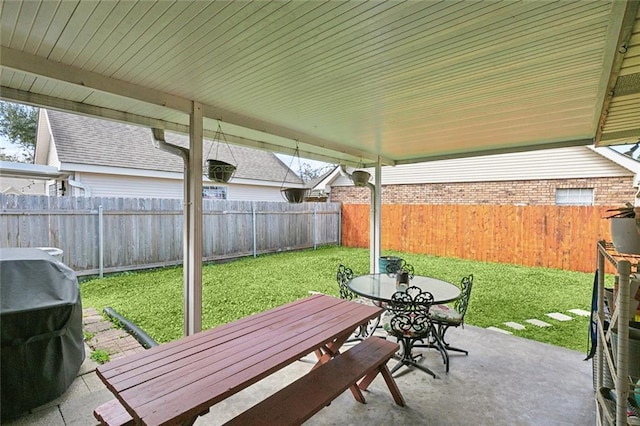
(505, 380)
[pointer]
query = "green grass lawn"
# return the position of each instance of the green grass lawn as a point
(154, 299)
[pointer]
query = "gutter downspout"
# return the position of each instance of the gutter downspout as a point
(85, 188)
(160, 143)
(374, 221)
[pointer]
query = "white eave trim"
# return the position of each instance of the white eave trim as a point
(31, 171)
(325, 184)
(70, 168)
(110, 170)
(618, 158)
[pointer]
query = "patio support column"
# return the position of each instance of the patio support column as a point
(193, 226)
(376, 222)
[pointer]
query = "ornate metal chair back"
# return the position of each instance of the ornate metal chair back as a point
(343, 276)
(401, 265)
(462, 302)
(410, 309)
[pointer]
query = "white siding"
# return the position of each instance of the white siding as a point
(103, 185)
(52, 156)
(254, 193)
(46, 152)
(560, 163)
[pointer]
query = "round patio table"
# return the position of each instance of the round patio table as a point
(382, 286)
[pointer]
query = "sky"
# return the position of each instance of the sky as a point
(286, 159)
(10, 149)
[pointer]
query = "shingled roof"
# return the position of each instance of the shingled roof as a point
(84, 140)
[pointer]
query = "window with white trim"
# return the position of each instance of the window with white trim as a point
(214, 192)
(574, 196)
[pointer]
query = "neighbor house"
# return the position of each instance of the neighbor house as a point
(22, 186)
(108, 159)
(580, 175)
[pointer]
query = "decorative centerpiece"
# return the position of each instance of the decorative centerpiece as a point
(402, 280)
(404, 274)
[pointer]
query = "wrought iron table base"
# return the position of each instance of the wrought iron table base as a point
(435, 342)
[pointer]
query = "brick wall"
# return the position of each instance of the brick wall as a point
(607, 192)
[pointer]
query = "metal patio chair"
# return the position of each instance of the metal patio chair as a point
(343, 276)
(444, 316)
(400, 265)
(409, 321)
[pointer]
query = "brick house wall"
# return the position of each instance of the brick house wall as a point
(608, 191)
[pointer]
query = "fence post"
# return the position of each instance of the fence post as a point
(253, 227)
(339, 225)
(101, 240)
(315, 226)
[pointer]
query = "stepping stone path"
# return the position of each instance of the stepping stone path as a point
(538, 323)
(514, 325)
(560, 317)
(580, 312)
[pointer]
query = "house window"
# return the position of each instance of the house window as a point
(574, 196)
(214, 192)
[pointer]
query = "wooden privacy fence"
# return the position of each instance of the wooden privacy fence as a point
(562, 237)
(117, 234)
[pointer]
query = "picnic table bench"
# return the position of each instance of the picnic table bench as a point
(176, 382)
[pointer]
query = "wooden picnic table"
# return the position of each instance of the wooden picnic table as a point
(176, 382)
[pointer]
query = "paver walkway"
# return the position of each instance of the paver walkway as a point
(104, 335)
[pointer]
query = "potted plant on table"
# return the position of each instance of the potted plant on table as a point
(625, 229)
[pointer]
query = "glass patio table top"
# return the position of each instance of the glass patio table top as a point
(382, 286)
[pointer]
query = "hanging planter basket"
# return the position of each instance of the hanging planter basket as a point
(360, 177)
(220, 171)
(295, 195)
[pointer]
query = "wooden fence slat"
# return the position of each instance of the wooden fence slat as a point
(562, 237)
(139, 232)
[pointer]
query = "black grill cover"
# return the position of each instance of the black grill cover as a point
(41, 328)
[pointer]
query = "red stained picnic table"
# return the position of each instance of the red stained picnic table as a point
(175, 382)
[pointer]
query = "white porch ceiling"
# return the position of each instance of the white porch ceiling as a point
(349, 81)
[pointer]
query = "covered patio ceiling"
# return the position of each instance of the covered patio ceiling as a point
(348, 81)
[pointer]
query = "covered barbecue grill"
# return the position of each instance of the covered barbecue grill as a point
(40, 327)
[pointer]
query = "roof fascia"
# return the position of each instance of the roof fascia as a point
(121, 171)
(628, 10)
(32, 171)
(505, 150)
(618, 158)
(327, 181)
